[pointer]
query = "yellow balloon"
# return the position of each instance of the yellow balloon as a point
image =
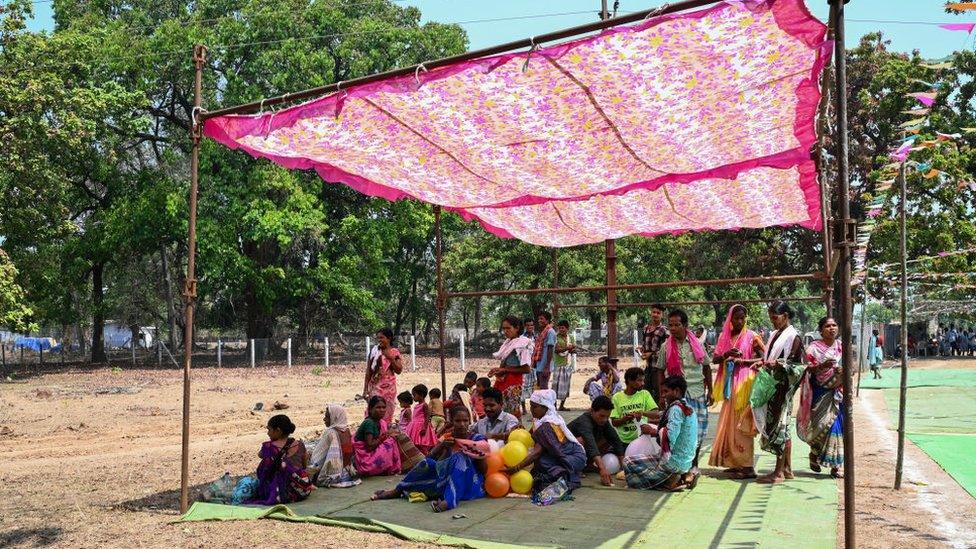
(523, 436)
(521, 482)
(513, 453)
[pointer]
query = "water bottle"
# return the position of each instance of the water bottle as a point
(552, 493)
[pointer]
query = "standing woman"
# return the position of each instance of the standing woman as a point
(515, 355)
(875, 354)
(820, 420)
(382, 367)
(737, 350)
(772, 397)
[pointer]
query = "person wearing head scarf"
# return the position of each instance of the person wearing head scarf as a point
(820, 419)
(556, 453)
(774, 389)
(331, 464)
(737, 352)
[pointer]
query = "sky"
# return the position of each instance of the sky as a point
(902, 21)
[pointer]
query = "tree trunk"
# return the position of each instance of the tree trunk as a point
(98, 315)
(170, 301)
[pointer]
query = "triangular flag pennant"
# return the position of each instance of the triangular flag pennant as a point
(968, 27)
(938, 66)
(947, 136)
(914, 123)
(917, 112)
(926, 98)
(969, 130)
(932, 173)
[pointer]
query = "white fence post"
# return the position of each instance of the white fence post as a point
(326, 353)
(413, 352)
(367, 348)
(289, 352)
(252, 353)
(462, 352)
(636, 352)
(220, 350)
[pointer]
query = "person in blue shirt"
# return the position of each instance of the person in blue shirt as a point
(678, 438)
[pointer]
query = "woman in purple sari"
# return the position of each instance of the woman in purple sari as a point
(281, 473)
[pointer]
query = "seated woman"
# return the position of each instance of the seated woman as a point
(556, 453)
(452, 473)
(281, 473)
(607, 381)
(678, 436)
(331, 464)
(376, 452)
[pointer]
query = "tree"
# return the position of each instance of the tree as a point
(15, 315)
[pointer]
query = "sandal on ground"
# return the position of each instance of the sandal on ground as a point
(788, 475)
(694, 481)
(814, 464)
(435, 506)
(769, 479)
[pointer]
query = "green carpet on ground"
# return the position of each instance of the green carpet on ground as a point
(953, 453)
(940, 419)
(920, 378)
(727, 513)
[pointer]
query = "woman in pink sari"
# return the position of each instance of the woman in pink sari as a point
(376, 451)
(736, 351)
(820, 420)
(382, 367)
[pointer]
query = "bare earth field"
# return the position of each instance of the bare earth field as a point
(92, 458)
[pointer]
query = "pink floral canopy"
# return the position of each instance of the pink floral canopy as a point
(697, 121)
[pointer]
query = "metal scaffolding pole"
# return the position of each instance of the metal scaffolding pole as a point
(441, 297)
(190, 288)
(845, 239)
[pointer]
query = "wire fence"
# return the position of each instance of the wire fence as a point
(338, 350)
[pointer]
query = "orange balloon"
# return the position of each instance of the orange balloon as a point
(496, 484)
(495, 462)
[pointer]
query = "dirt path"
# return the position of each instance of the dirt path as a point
(81, 469)
(931, 510)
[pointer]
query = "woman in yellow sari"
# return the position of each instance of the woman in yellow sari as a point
(737, 350)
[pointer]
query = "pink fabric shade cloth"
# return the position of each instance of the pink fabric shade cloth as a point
(637, 130)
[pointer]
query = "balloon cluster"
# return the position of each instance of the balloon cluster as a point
(497, 483)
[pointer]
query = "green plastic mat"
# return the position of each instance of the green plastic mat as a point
(935, 410)
(801, 513)
(920, 378)
(954, 453)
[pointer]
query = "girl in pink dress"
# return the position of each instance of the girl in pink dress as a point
(375, 450)
(420, 431)
(382, 367)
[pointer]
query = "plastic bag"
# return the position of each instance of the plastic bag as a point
(557, 491)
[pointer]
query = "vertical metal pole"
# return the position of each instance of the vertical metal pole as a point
(462, 352)
(252, 352)
(326, 353)
(903, 389)
(133, 345)
(844, 300)
(441, 305)
(555, 281)
(289, 352)
(190, 290)
(636, 344)
(413, 352)
(611, 259)
(862, 353)
(220, 352)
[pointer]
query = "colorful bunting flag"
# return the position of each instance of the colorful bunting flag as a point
(938, 66)
(961, 6)
(925, 98)
(968, 27)
(917, 112)
(947, 136)
(931, 173)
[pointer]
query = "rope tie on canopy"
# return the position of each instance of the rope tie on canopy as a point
(534, 46)
(655, 12)
(416, 73)
(196, 127)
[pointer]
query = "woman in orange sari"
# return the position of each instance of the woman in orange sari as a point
(736, 351)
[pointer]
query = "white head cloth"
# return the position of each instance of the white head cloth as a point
(547, 398)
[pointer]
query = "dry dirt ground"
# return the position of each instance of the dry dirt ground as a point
(91, 458)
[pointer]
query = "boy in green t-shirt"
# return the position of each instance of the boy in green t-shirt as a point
(633, 406)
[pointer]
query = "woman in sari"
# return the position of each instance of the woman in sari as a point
(820, 419)
(382, 367)
(281, 474)
(736, 352)
(376, 451)
(331, 463)
(515, 355)
(557, 454)
(773, 390)
(452, 473)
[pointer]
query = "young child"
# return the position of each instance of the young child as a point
(459, 399)
(436, 409)
(477, 397)
(405, 401)
(420, 430)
